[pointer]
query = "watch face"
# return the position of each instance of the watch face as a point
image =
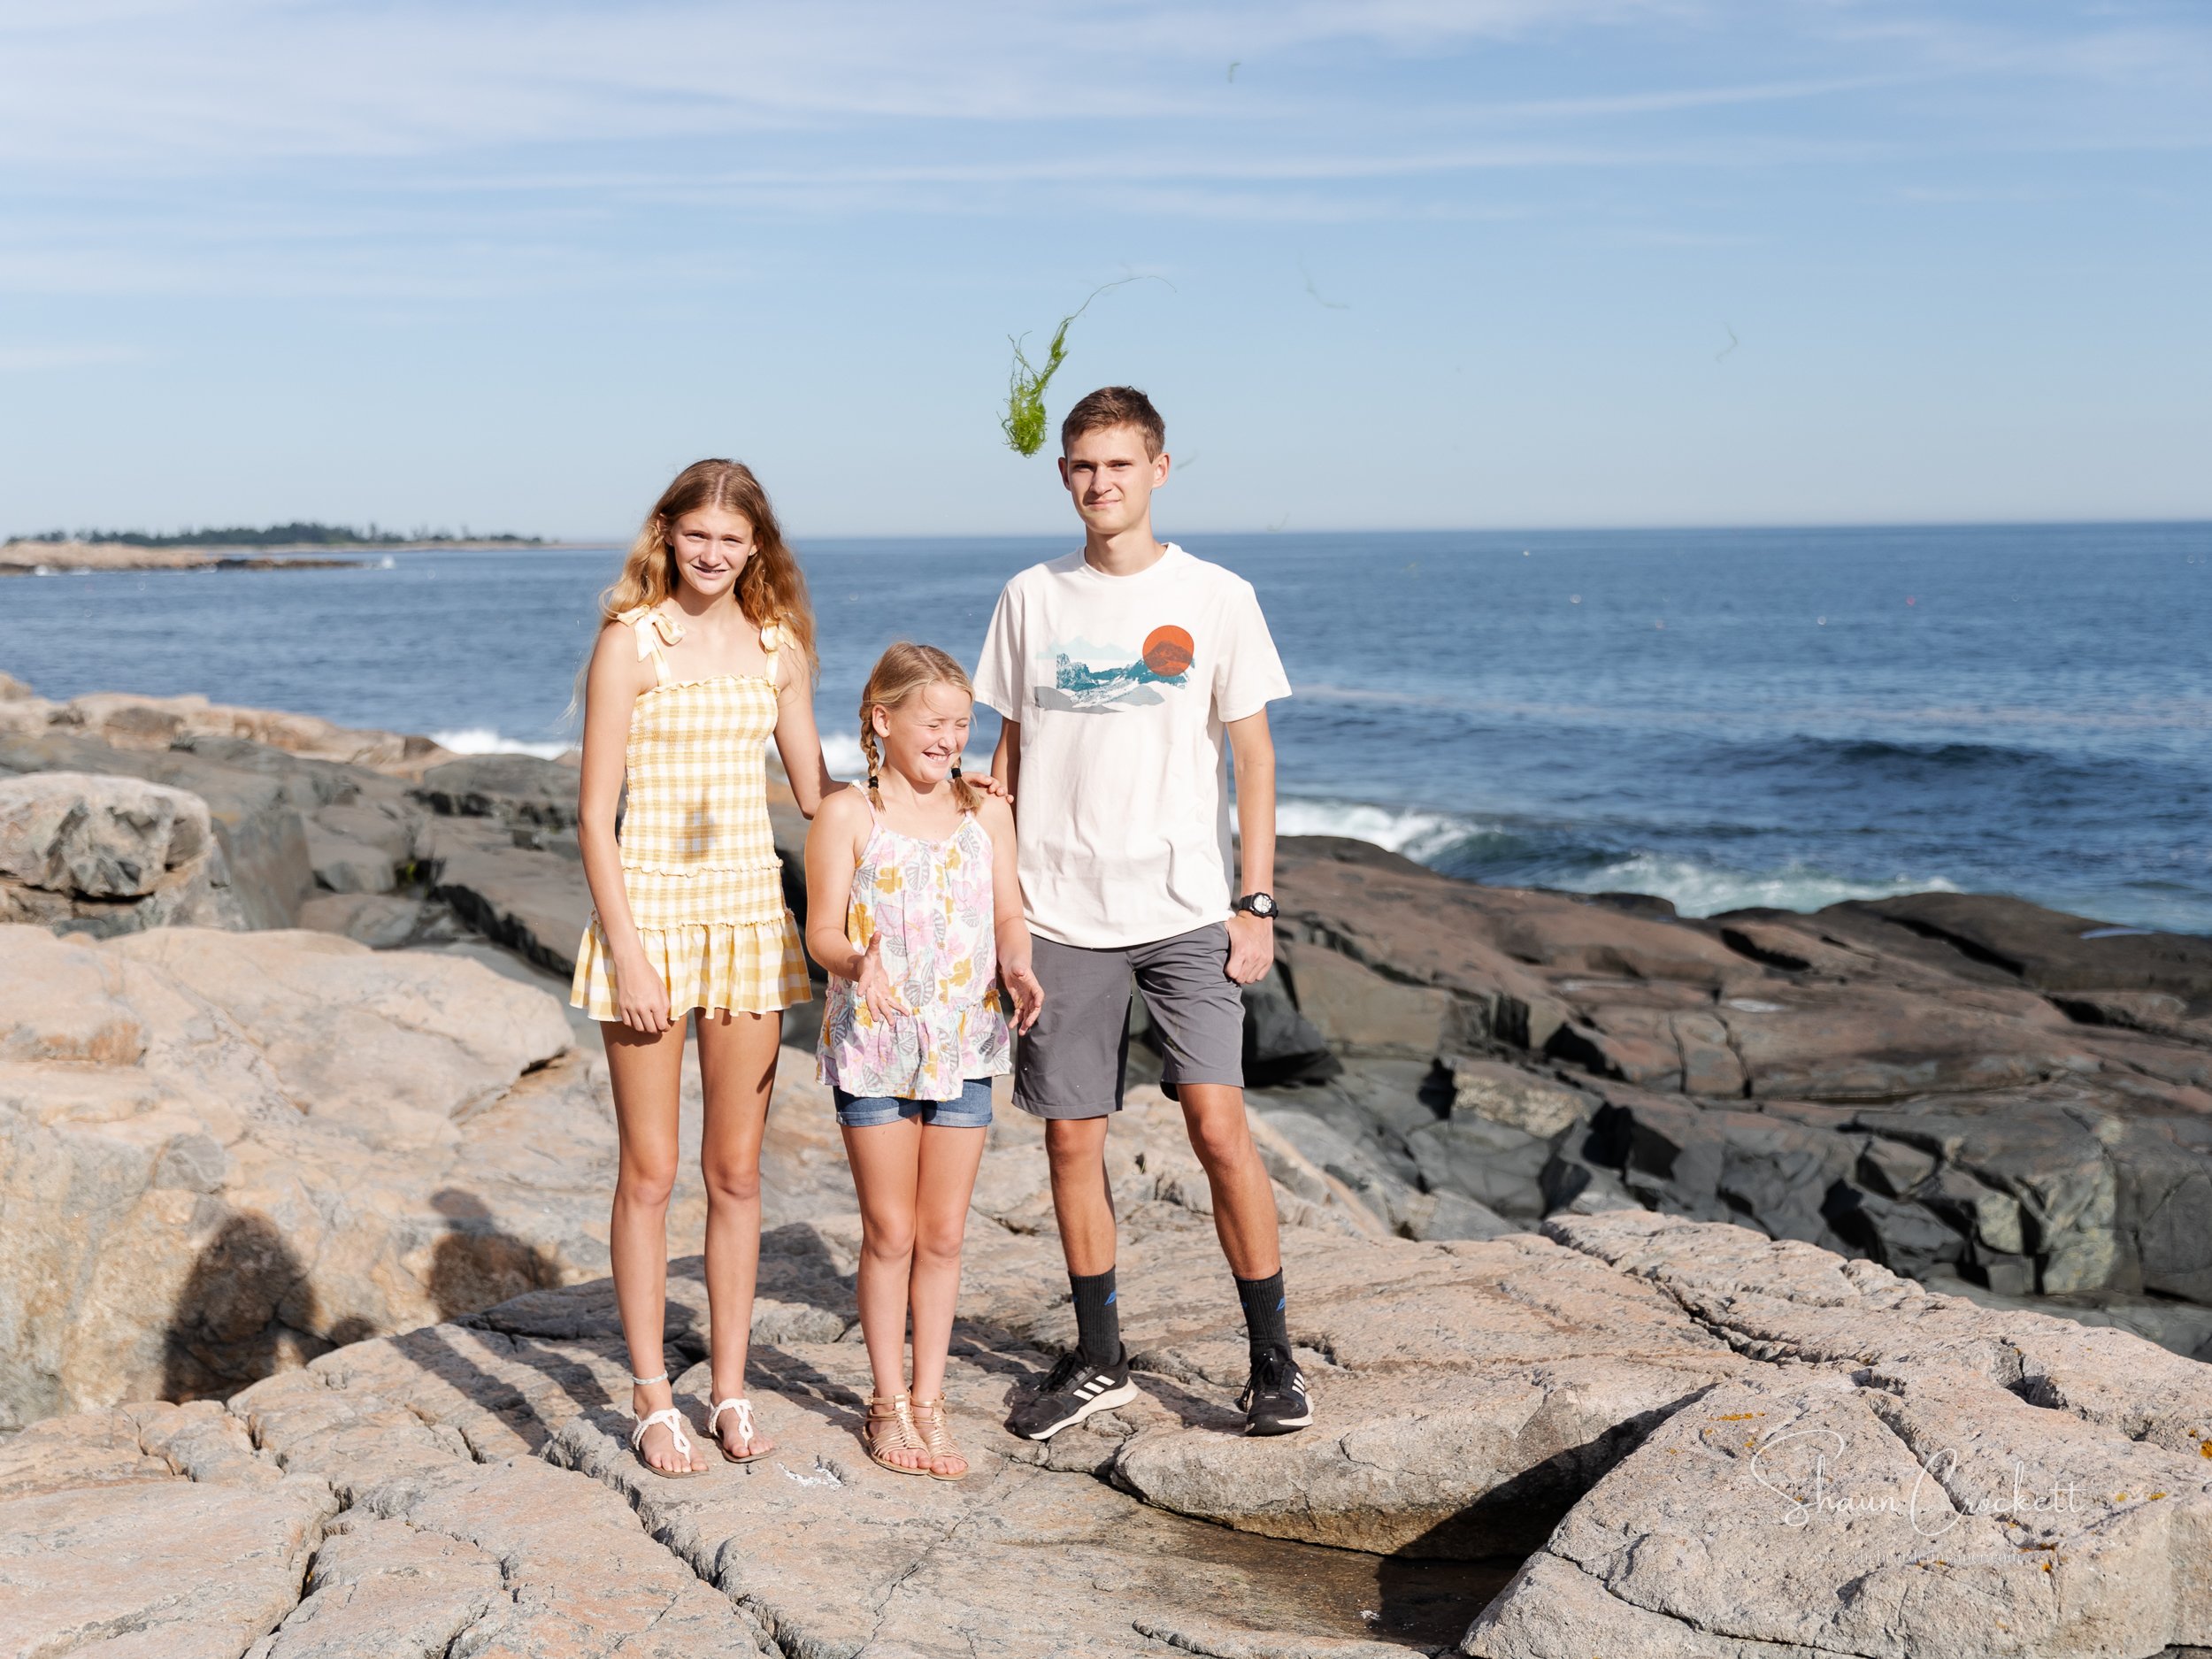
(1261, 904)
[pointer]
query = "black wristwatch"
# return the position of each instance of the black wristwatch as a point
(1260, 904)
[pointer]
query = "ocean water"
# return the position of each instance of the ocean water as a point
(1723, 718)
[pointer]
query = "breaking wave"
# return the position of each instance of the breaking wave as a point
(481, 740)
(1567, 858)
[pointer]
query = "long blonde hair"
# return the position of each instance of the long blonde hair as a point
(770, 589)
(899, 674)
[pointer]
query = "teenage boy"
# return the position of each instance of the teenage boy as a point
(1126, 675)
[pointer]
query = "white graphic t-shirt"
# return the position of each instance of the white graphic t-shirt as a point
(1122, 684)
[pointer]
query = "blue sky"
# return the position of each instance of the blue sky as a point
(1496, 262)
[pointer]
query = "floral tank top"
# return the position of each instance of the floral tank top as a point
(931, 903)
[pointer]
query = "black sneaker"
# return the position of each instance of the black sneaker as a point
(1071, 1393)
(1275, 1401)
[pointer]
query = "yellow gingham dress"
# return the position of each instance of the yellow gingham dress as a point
(699, 861)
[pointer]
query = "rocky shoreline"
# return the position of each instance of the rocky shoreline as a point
(1604, 1222)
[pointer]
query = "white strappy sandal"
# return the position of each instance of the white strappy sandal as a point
(744, 1410)
(673, 1420)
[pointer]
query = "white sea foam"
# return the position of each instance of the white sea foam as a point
(841, 751)
(481, 740)
(1700, 889)
(1695, 889)
(1417, 835)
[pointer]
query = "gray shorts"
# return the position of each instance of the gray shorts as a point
(1072, 1062)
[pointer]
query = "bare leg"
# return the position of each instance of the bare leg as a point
(737, 1073)
(946, 1180)
(646, 1071)
(883, 1159)
(1244, 1198)
(1081, 1201)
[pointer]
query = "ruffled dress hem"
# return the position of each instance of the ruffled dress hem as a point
(737, 967)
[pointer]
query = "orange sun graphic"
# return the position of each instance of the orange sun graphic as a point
(1167, 650)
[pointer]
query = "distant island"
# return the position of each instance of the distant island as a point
(233, 549)
(277, 535)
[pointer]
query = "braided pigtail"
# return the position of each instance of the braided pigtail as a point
(869, 750)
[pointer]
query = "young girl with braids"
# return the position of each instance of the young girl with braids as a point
(914, 908)
(707, 649)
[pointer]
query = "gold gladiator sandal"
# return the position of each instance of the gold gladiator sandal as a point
(929, 1417)
(890, 1428)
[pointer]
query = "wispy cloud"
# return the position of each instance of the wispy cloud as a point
(246, 87)
(177, 86)
(417, 150)
(1137, 168)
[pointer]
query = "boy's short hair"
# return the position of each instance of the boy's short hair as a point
(1115, 406)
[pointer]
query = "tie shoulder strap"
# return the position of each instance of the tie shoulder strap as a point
(771, 642)
(654, 629)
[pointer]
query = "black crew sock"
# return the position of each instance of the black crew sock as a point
(1097, 1320)
(1265, 1325)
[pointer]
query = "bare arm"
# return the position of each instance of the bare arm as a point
(1006, 760)
(798, 741)
(833, 847)
(1252, 938)
(1010, 926)
(612, 685)
(833, 851)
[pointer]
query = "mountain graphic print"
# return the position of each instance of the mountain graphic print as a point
(1091, 678)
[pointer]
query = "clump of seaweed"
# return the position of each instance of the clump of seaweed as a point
(1024, 421)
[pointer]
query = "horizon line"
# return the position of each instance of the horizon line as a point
(519, 542)
(2089, 523)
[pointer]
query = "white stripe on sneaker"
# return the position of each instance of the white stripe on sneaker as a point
(1116, 1394)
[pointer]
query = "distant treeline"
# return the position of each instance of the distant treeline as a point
(282, 535)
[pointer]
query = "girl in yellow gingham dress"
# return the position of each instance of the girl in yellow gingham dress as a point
(699, 861)
(688, 931)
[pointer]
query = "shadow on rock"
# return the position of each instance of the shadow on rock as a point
(796, 1266)
(1431, 1603)
(1342, 1595)
(1429, 1593)
(993, 1350)
(804, 1384)
(1430, 1590)
(478, 1263)
(433, 1348)
(246, 1311)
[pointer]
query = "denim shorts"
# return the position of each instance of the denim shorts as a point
(970, 1110)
